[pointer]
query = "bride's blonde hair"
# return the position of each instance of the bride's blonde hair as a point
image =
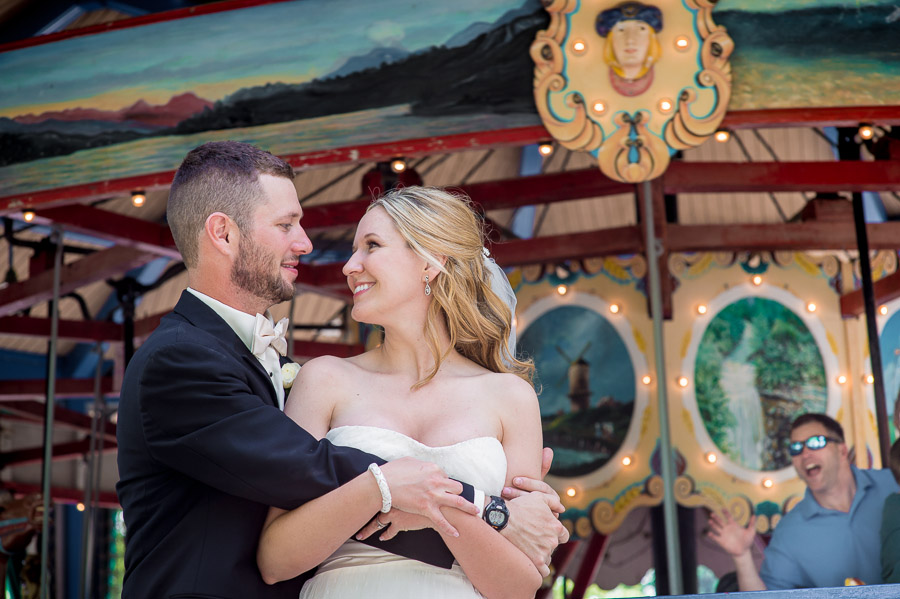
(436, 223)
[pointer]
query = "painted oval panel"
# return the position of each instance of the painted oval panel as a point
(758, 367)
(890, 365)
(586, 386)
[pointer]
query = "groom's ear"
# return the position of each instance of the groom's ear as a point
(222, 233)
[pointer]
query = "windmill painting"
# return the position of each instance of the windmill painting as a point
(586, 383)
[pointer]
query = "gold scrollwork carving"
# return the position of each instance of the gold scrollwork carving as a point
(606, 516)
(685, 130)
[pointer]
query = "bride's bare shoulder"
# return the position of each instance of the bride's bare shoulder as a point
(334, 369)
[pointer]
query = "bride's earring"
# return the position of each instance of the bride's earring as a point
(427, 286)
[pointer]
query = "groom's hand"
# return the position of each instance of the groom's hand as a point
(524, 485)
(422, 488)
(534, 528)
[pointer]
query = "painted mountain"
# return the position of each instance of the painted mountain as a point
(372, 73)
(437, 79)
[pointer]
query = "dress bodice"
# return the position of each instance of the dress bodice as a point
(479, 461)
(359, 570)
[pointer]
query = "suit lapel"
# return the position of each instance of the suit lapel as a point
(203, 317)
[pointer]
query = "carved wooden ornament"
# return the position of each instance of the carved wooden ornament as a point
(631, 82)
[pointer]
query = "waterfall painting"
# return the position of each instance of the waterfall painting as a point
(890, 365)
(757, 368)
(586, 383)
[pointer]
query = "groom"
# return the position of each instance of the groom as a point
(203, 448)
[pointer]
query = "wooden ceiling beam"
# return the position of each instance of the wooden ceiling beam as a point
(105, 499)
(884, 290)
(75, 330)
(605, 242)
(62, 417)
(123, 230)
(829, 176)
(94, 267)
(788, 236)
(65, 388)
(60, 451)
(681, 177)
(488, 195)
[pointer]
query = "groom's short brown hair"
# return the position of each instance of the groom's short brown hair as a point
(219, 176)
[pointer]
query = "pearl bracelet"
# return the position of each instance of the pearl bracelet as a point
(383, 487)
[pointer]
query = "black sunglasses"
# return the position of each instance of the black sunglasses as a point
(815, 442)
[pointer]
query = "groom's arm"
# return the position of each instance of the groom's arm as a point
(534, 525)
(200, 418)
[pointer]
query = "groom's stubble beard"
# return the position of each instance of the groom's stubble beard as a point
(258, 272)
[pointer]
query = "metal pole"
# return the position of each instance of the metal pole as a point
(865, 269)
(57, 237)
(87, 532)
(670, 511)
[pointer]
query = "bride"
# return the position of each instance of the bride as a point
(443, 387)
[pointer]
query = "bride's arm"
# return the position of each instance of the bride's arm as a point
(494, 565)
(295, 541)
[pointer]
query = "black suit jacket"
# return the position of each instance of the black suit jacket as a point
(203, 451)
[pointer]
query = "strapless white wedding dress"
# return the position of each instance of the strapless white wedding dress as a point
(356, 570)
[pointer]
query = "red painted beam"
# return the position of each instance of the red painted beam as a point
(884, 290)
(145, 326)
(106, 499)
(590, 563)
(723, 177)
(837, 116)
(60, 451)
(559, 562)
(489, 195)
(302, 349)
(544, 189)
(123, 230)
(62, 417)
(76, 194)
(788, 236)
(76, 330)
(94, 267)
(314, 349)
(65, 388)
(620, 240)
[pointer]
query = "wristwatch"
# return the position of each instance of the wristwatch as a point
(496, 513)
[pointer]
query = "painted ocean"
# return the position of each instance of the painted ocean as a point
(161, 154)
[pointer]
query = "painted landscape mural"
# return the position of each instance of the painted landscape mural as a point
(296, 77)
(890, 365)
(586, 382)
(758, 367)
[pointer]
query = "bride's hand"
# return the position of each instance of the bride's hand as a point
(392, 523)
(422, 488)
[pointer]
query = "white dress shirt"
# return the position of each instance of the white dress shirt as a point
(243, 325)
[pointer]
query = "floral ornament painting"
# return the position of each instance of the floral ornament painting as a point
(631, 82)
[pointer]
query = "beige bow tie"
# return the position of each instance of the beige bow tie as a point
(264, 335)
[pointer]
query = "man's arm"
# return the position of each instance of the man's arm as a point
(737, 541)
(534, 509)
(199, 417)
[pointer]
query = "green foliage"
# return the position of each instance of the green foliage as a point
(788, 371)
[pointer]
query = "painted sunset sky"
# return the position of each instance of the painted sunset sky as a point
(282, 42)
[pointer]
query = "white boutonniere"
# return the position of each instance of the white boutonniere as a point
(289, 373)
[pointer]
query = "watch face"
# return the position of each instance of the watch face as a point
(496, 517)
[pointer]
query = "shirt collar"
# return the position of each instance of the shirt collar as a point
(241, 323)
(812, 508)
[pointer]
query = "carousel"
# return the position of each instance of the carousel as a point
(696, 203)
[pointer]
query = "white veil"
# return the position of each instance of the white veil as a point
(500, 285)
